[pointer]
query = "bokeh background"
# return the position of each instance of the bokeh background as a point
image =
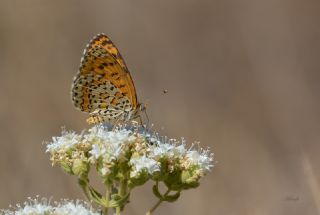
(242, 77)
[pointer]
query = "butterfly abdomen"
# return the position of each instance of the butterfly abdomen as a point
(95, 119)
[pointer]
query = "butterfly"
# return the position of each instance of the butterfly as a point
(103, 86)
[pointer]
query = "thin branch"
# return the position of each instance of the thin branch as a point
(157, 204)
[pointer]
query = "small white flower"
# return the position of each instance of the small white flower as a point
(96, 151)
(168, 150)
(204, 159)
(74, 208)
(100, 134)
(34, 210)
(64, 142)
(108, 151)
(143, 163)
(43, 206)
(179, 150)
(107, 144)
(162, 150)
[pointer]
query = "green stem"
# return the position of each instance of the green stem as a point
(122, 191)
(118, 211)
(106, 209)
(83, 185)
(157, 204)
(154, 207)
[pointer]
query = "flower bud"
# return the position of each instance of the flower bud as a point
(79, 167)
(66, 168)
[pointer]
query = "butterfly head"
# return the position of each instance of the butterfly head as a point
(135, 113)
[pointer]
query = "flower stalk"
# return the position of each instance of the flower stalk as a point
(158, 203)
(108, 191)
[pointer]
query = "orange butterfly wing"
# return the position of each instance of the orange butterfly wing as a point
(103, 79)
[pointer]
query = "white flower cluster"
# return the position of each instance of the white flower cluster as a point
(43, 206)
(143, 154)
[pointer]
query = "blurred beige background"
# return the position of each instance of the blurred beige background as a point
(242, 77)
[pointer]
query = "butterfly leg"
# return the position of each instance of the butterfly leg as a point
(115, 124)
(140, 120)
